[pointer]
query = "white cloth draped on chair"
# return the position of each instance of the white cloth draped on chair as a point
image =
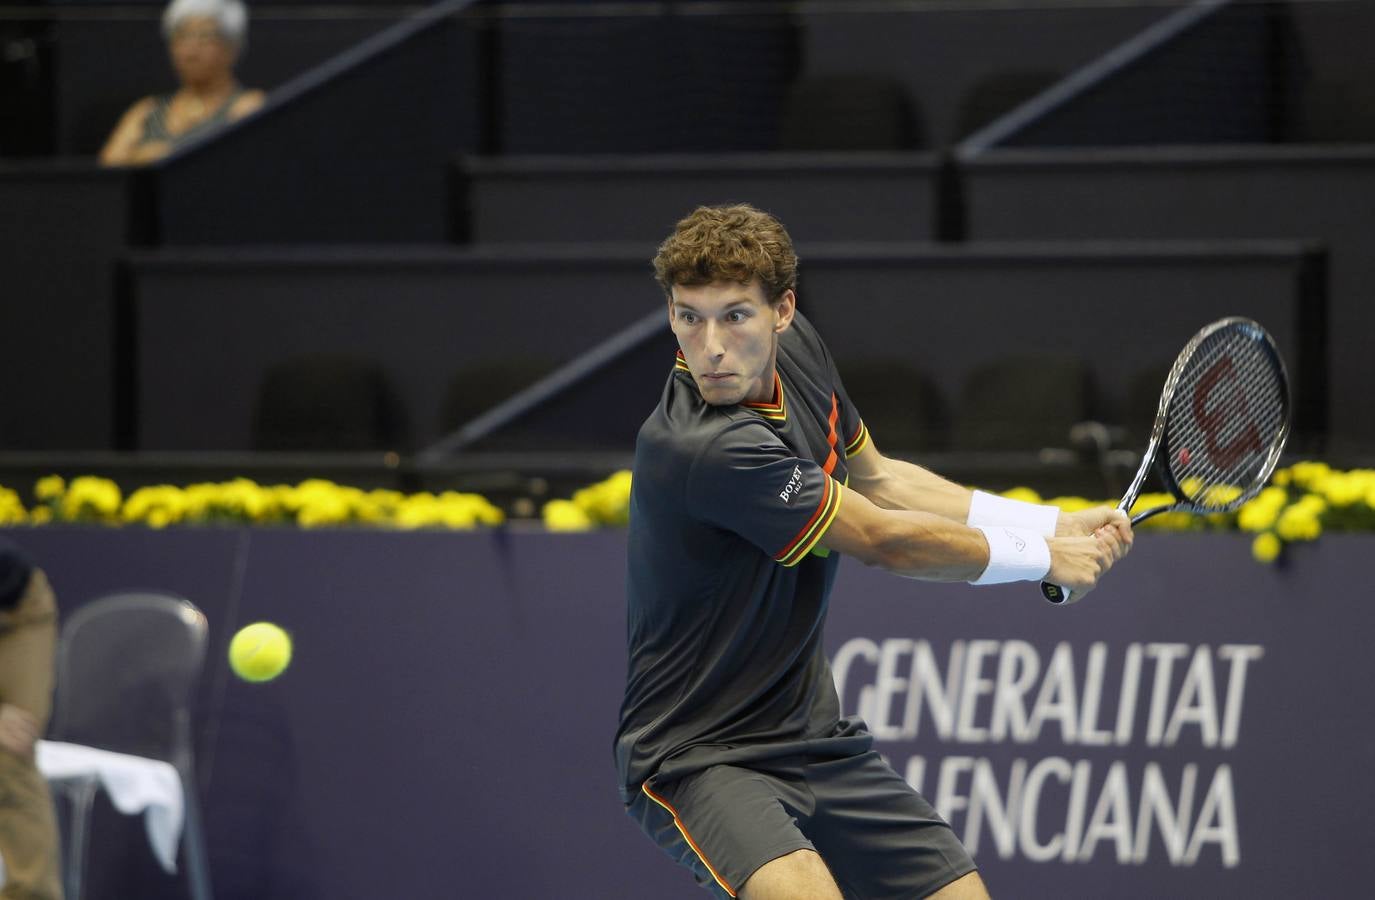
(134, 784)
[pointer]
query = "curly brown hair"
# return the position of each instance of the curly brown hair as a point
(728, 243)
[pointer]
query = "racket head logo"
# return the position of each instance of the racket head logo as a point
(1212, 417)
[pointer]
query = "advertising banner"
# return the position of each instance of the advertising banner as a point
(1200, 726)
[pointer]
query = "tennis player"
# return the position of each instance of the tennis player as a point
(753, 475)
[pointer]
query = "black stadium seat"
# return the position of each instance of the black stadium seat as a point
(326, 402)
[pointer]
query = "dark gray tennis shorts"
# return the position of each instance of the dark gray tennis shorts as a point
(879, 837)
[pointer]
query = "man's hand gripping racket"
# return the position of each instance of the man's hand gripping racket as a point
(1220, 428)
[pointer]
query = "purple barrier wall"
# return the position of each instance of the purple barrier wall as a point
(1199, 727)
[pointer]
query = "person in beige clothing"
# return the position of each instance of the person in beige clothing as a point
(28, 641)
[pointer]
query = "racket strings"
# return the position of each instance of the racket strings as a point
(1226, 415)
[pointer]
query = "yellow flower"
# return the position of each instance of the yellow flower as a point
(311, 491)
(1309, 474)
(157, 506)
(457, 510)
(1072, 504)
(1219, 495)
(481, 509)
(11, 508)
(1220, 520)
(1175, 521)
(1165, 522)
(384, 503)
(1191, 486)
(91, 499)
(41, 515)
(1343, 489)
(49, 488)
(1299, 523)
(283, 497)
(565, 515)
(1150, 501)
(369, 511)
(418, 511)
(608, 501)
(1313, 503)
(244, 499)
(1258, 516)
(199, 501)
(323, 508)
(1024, 494)
(1266, 547)
(490, 515)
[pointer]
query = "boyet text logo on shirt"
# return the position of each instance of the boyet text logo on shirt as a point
(793, 487)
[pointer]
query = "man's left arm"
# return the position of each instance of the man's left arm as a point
(897, 484)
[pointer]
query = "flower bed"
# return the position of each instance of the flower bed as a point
(1302, 502)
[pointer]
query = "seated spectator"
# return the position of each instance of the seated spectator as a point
(205, 38)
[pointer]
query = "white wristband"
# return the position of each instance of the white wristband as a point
(1014, 554)
(990, 509)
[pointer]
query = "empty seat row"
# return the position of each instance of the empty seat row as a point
(330, 402)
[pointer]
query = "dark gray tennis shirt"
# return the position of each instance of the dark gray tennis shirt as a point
(728, 581)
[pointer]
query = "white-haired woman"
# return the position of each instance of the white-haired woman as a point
(205, 38)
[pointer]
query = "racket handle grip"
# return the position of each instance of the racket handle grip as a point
(1055, 594)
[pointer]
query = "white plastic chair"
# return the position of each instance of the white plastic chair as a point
(127, 669)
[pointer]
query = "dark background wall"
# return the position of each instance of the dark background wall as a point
(963, 65)
(309, 170)
(1313, 193)
(822, 196)
(61, 228)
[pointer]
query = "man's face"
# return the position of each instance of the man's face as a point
(728, 333)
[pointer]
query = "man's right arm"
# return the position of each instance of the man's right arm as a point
(934, 548)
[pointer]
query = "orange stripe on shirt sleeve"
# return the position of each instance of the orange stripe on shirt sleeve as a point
(831, 437)
(815, 528)
(856, 444)
(678, 823)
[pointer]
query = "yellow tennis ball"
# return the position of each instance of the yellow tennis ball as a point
(259, 652)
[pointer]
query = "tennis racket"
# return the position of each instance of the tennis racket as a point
(1220, 427)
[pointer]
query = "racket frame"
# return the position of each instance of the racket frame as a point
(1159, 440)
